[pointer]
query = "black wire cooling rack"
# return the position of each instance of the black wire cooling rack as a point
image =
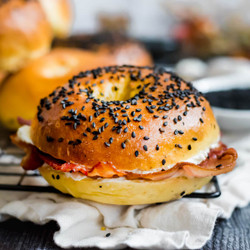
(14, 178)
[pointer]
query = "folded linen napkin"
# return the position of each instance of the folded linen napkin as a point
(186, 223)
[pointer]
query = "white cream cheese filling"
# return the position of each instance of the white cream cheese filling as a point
(23, 134)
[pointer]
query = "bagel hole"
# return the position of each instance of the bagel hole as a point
(121, 90)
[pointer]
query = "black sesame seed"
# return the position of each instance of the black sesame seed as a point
(194, 139)
(189, 147)
(165, 116)
(58, 177)
(60, 139)
(133, 134)
(161, 130)
(53, 176)
(123, 145)
(165, 123)
(146, 138)
(201, 120)
(136, 153)
(163, 162)
(108, 234)
(179, 118)
(175, 120)
(145, 147)
(106, 144)
(111, 140)
(50, 139)
(218, 166)
(125, 130)
(157, 147)
(156, 116)
(204, 109)
(141, 127)
(176, 132)
(182, 193)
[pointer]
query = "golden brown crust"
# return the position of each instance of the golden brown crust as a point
(59, 14)
(190, 126)
(43, 75)
(25, 33)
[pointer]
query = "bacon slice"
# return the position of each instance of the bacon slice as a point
(219, 161)
(31, 160)
(223, 163)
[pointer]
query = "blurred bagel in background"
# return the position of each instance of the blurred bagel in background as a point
(123, 49)
(25, 33)
(59, 14)
(21, 92)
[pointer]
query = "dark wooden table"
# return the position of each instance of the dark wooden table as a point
(228, 234)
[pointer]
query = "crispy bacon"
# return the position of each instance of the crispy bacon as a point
(220, 160)
(31, 160)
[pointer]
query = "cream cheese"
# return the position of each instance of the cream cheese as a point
(23, 133)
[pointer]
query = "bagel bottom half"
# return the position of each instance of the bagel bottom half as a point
(121, 191)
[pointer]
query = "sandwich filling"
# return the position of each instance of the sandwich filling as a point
(217, 159)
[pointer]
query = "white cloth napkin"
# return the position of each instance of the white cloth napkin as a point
(186, 223)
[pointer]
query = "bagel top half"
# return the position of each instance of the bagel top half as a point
(137, 118)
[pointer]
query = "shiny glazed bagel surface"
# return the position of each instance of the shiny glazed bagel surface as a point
(136, 118)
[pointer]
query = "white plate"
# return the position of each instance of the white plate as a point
(228, 119)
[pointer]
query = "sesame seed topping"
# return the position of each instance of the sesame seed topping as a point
(50, 139)
(60, 139)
